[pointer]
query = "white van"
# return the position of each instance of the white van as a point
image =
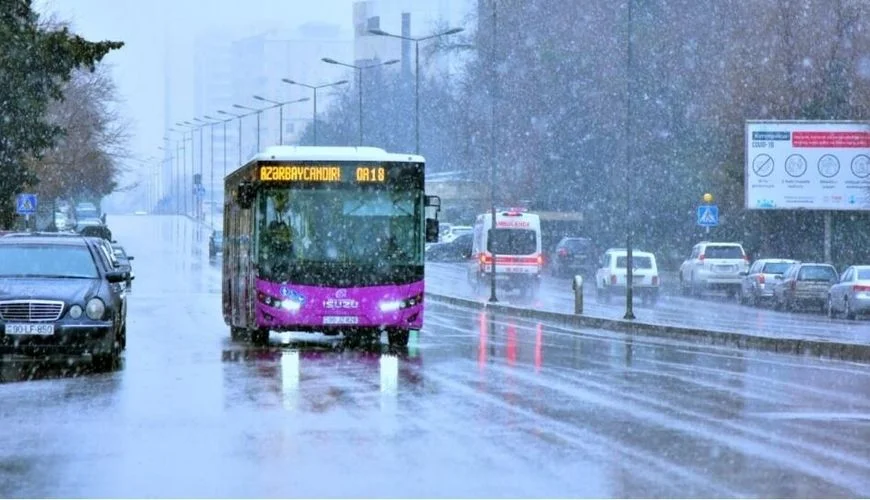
(516, 242)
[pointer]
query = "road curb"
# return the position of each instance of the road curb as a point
(789, 345)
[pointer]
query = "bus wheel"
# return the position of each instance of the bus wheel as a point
(260, 336)
(237, 334)
(398, 338)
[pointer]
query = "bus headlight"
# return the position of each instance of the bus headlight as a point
(395, 305)
(290, 305)
(95, 308)
(390, 305)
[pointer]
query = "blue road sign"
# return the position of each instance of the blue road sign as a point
(25, 204)
(708, 215)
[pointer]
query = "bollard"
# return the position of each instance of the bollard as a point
(578, 294)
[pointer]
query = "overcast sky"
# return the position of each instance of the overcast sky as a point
(148, 26)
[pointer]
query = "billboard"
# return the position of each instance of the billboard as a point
(812, 165)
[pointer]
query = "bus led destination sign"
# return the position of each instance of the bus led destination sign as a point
(323, 173)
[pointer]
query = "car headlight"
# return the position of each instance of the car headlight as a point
(75, 312)
(95, 308)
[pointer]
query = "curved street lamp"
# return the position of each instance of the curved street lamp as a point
(280, 106)
(359, 72)
(417, 41)
(315, 88)
(240, 134)
(258, 111)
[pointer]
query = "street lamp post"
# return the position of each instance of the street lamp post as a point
(199, 214)
(280, 106)
(213, 122)
(629, 264)
(258, 112)
(240, 134)
(183, 187)
(192, 127)
(493, 82)
(417, 41)
(359, 73)
(177, 175)
(314, 88)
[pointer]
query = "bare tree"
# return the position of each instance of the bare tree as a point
(86, 161)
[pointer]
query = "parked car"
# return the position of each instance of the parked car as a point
(458, 250)
(851, 295)
(215, 243)
(125, 262)
(454, 231)
(612, 275)
(89, 228)
(714, 266)
(58, 297)
(758, 283)
(106, 250)
(804, 284)
(573, 255)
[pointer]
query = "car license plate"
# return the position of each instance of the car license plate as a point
(340, 320)
(29, 329)
(725, 268)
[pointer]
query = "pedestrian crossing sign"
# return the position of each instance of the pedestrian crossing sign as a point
(25, 204)
(708, 215)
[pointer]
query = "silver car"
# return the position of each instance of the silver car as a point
(758, 282)
(851, 295)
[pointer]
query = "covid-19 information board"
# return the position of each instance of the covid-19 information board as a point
(811, 165)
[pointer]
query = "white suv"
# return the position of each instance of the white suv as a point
(612, 275)
(714, 266)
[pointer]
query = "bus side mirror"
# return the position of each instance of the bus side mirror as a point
(432, 201)
(246, 195)
(431, 230)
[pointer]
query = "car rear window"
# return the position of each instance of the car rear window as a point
(514, 241)
(816, 273)
(775, 267)
(577, 245)
(58, 261)
(723, 252)
(864, 274)
(640, 262)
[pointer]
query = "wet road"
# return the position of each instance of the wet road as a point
(477, 406)
(713, 311)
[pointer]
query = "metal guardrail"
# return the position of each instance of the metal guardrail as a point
(789, 345)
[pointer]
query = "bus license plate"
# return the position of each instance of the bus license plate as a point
(29, 329)
(340, 320)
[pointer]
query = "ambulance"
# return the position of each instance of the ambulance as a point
(516, 242)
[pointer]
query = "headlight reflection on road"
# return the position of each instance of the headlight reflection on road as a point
(389, 369)
(481, 347)
(290, 379)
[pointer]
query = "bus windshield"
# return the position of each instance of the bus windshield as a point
(340, 237)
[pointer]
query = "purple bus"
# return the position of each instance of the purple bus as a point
(326, 239)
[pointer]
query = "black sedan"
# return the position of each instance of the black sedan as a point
(57, 296)
(457, 250)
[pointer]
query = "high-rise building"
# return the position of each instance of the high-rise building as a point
(410, 18)
(229, 72)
